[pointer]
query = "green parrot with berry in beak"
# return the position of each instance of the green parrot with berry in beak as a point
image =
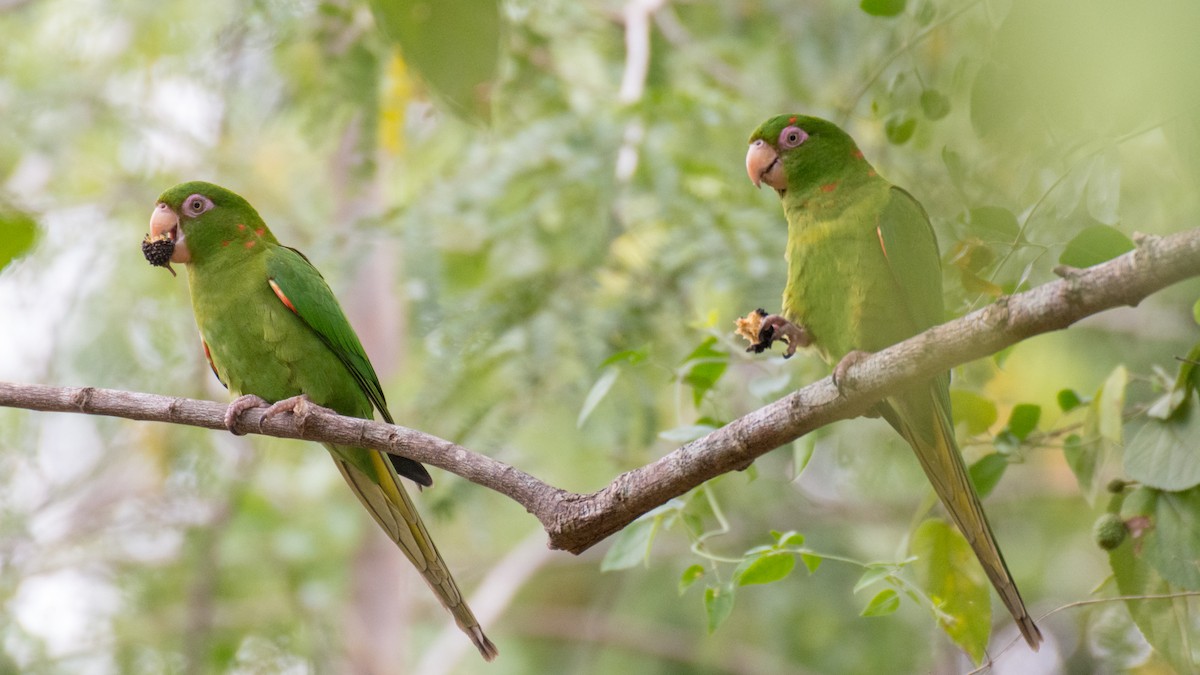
(863, 274)
(275, 335)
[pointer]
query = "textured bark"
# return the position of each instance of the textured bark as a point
(575, 522)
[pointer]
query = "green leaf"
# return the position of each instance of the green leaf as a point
(1092, 455)
(704, 367)
(883, 7)
(1024, 419)
(786, 539)
(934, 103)
(18, 232)
(767, 569)
(1166, 624)
(802, 452)
(1068, 400)
(952, 578)
(1196, 312)
(1180, 394)
(690, 576)
(975, 411)
(1163, 453)
(885, 602)
(453, 44)
(1172, 541)
(686, 433)
(899, 128)
(631, 356)
(630, 546)
(986, 473)
(811, 561)
(993, 223)
(718, 603)
(597, 393)
(1094, 245)
(1104, 186)
(871, 575)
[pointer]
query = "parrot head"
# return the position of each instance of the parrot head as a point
(203, 220)
(797, 151)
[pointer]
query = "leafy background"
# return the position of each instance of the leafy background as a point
(543, 241)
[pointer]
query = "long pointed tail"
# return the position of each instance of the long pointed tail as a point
(939, 456)
(391, 507)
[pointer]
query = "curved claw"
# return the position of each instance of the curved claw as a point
(240, 405)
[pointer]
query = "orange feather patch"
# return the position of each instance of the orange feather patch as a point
(829, 187)
(282, 298)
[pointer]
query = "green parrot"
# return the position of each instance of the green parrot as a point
(863, 274)
(273, 331)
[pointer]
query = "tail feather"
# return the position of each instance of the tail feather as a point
(943, 464)
(390, 505)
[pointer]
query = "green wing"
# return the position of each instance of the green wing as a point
(912, 254)
(302, 289)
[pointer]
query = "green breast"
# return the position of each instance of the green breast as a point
(258, 346)
(839, 285)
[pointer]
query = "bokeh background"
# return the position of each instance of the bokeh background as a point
(537, 217)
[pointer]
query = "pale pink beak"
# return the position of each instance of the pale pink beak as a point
(763, 166)
(164, 221)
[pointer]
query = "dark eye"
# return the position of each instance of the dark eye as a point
(792, 137)
(195, 205)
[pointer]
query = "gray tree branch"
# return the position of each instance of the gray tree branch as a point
(575, 522)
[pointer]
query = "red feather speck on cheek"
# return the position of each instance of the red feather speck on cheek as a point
(792, 120)
(225, 243)
(241, 227)
(857, 154)
(829, 187)
(251, 243)
(259, 232)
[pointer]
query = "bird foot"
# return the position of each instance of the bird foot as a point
(301, 406)
(774, 327)
(240, 405)
(843, 366)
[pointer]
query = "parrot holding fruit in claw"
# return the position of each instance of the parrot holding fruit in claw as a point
(274, 332)
(863, 274)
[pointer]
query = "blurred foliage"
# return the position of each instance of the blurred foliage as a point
(543, 243)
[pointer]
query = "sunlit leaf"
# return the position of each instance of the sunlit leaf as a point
(1094, 245)
(952, 578)
(1092, 455)
(812, 562)
(885, 602)
(767, 569)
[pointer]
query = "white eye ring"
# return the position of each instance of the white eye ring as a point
(195, 205)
